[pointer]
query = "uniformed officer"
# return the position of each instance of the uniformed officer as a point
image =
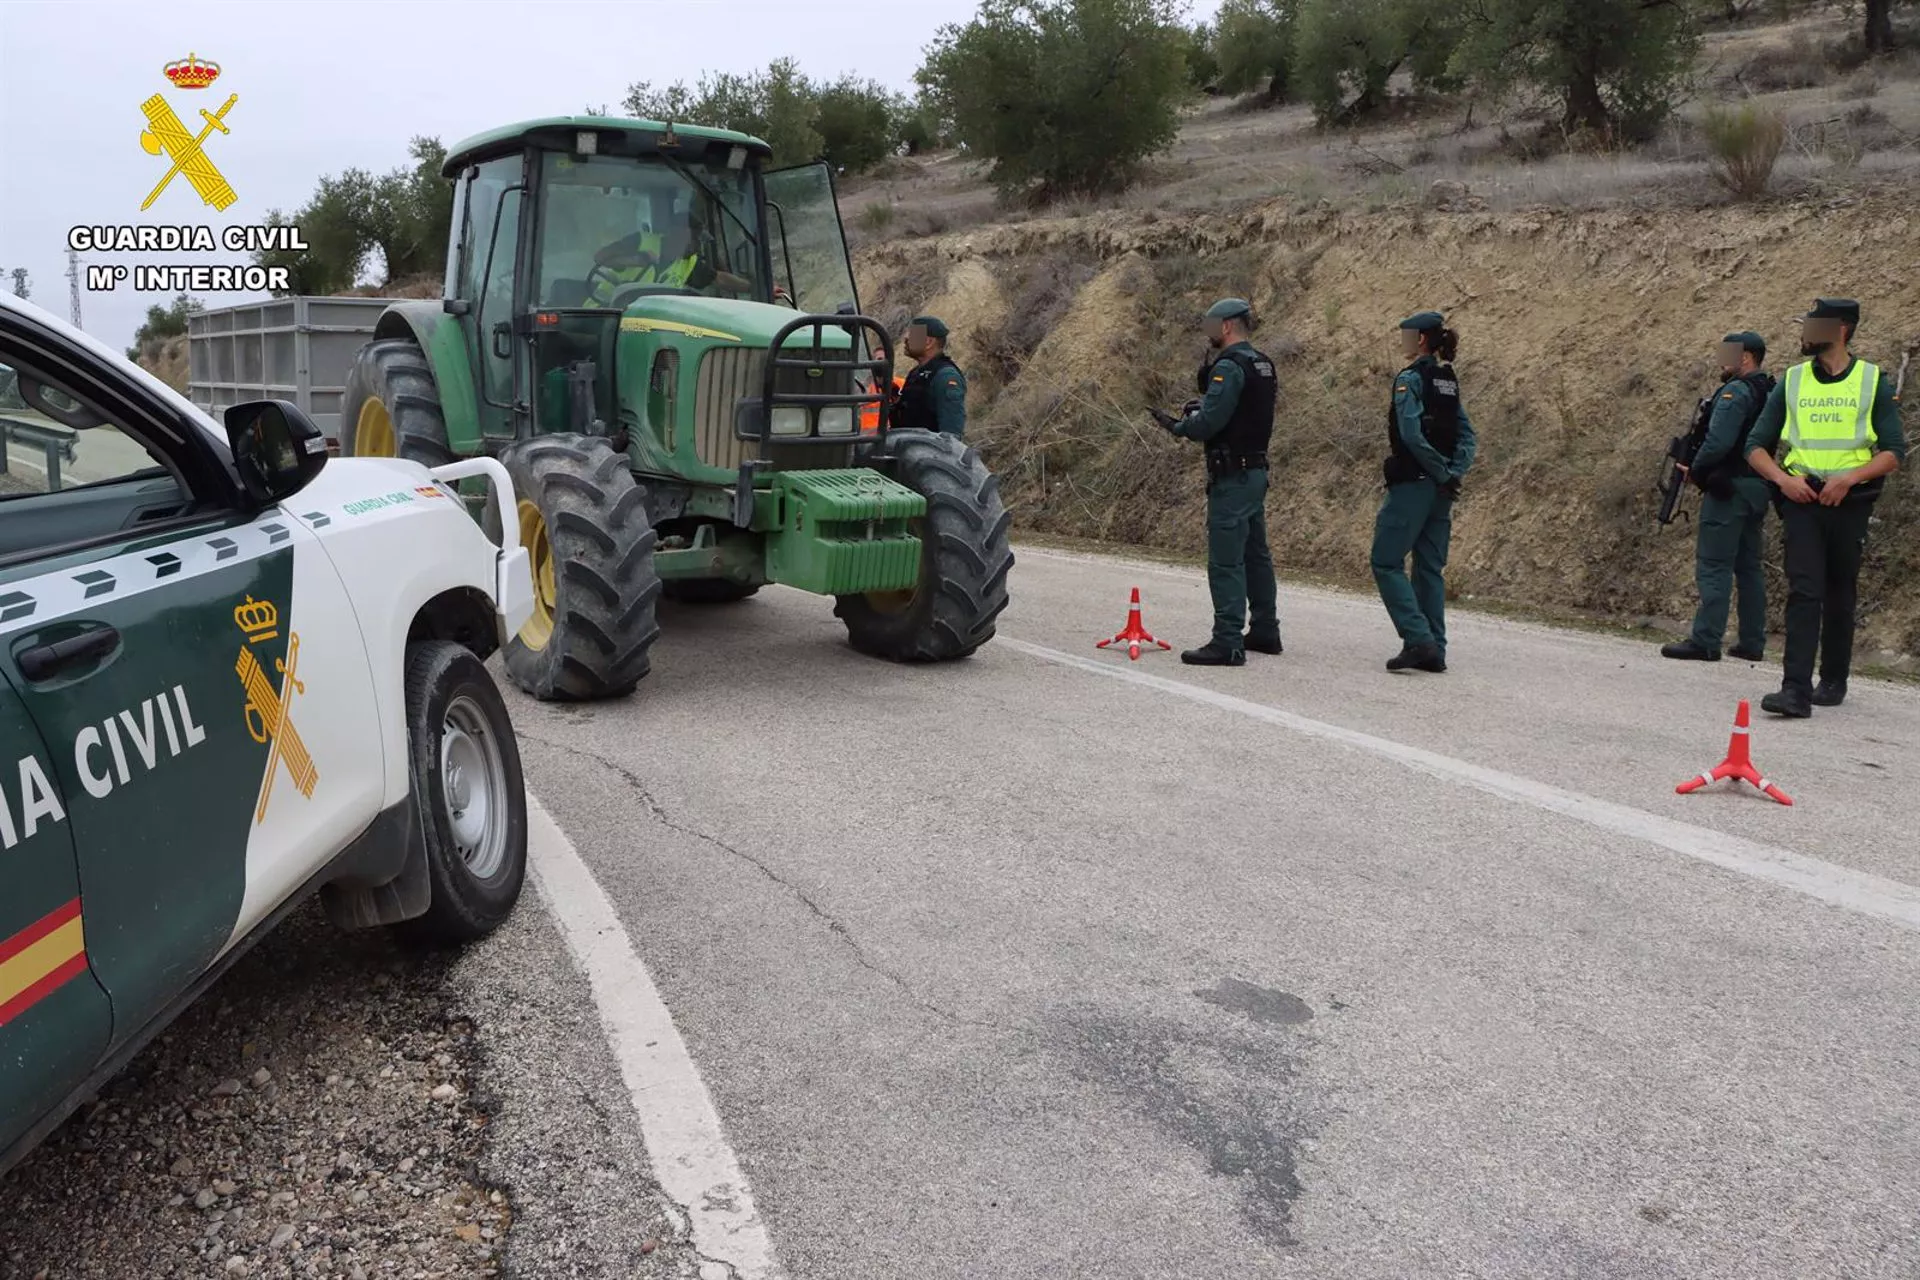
(934, 395)
(1234, 420)
(1733, 509)
(1430, 446)
(1841, 419)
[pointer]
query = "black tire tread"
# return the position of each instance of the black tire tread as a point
(462, 908)
(603, 541)
(395, 370)
(966, 558)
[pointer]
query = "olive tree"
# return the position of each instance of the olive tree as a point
(1060, 96)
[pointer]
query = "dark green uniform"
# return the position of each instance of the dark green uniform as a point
(1234, 420)
(1733, 511)
(934, 398)
(1430, 445)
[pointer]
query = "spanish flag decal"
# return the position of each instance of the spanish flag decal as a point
(40, 959)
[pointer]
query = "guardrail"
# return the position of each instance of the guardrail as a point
(56, 443)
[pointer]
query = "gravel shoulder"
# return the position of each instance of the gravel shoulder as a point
(338, 1105)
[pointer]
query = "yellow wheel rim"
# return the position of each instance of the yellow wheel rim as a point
(538, 628)
(373, 431)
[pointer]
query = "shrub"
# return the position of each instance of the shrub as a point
(1745, 142)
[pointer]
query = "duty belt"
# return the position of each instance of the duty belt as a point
(1219, 463)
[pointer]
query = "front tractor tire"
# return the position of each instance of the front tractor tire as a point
(390, 407)
(965, 558)
(583, 520)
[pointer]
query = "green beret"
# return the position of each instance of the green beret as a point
(1842, 309)
(1229, 309)
(1425, 322)
(935, 328)
(1749, 341)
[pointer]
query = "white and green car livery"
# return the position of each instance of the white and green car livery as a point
(232, 672)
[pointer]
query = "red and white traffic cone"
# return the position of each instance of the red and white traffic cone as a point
(1134, 634)
(1737, 765)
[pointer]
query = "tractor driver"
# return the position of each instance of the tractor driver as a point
(648, 258)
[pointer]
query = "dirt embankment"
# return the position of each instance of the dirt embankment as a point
(1585, 340)
(166, 359)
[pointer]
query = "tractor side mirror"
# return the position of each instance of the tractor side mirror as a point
(277, 449)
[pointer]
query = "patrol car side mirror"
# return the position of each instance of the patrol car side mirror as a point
(277, 449)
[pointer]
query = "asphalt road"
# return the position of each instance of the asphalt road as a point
(1013, 968)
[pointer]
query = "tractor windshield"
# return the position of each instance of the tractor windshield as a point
(613, 228)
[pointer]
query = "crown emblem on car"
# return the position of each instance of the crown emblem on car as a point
(256, 616)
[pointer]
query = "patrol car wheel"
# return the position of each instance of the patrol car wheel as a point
(706, 590)
(965, 558)
(390, 407)
(469, 791)
(584, 522)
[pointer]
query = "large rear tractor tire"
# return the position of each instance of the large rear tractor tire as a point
(707, 590)
(964, 559)
(390, 407)
(583, 520)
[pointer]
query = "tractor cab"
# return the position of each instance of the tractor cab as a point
(594, 260)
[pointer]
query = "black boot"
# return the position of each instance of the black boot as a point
(1788, 702)
(1265, 644)
(1688, 651)
(1747, 655)
(1424, 657)
(1829, 693)
(1214, 654)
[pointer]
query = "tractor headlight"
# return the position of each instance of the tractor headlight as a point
(790, 420)
(837, 420)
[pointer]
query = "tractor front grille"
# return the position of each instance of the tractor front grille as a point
(729, 375)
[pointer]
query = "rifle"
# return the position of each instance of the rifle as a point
(1679, 458)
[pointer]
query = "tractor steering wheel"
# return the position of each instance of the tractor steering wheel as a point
(624, 294)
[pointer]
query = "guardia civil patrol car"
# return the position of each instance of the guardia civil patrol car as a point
(233, 672)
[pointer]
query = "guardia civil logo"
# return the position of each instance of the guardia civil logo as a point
(187, 152)
(269, 711)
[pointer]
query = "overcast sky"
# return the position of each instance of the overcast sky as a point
(326, 87)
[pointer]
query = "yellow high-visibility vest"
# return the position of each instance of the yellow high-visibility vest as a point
(1829, 424)
(611, 279)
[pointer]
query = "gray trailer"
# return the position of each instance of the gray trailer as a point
(297, 348)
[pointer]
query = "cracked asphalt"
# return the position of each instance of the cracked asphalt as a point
(1003, 968)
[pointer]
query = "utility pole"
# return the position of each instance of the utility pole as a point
(73, 283)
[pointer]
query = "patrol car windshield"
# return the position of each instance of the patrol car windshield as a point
(612, 221)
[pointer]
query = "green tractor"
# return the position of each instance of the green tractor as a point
(661, 341)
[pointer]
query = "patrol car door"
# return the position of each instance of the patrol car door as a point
(196, 672)
(54, 1018)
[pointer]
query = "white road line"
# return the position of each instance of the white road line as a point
(696, 1167)
(1870, 895)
